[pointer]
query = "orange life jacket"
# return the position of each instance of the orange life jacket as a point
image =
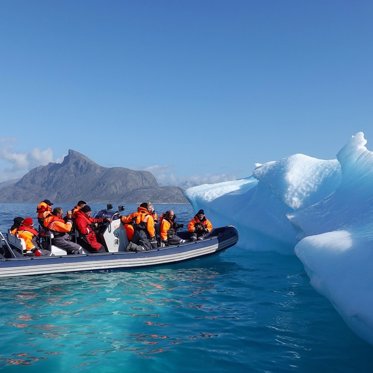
(143, 216)
(204, 222)
(57, 224)
(27, 234)
(166, 225)
(43, 210)
(128, 222)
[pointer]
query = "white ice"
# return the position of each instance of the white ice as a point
(321, 210)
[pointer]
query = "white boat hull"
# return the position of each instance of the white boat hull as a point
(224, 238)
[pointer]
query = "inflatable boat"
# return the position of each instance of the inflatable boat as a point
(13, 263)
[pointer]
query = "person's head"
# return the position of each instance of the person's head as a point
(150, 207)
(81, 204)
(200, 214)
(28, 222)
(48, 202)
(169, 215)
(17, 221)
(86, 209)
(144, 205)
(57, 211)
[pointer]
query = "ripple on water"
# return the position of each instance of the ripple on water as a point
(253, 312)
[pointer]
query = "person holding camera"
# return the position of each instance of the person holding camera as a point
(199, 226)
(168, 229)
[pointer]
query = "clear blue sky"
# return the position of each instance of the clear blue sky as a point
(191, 89)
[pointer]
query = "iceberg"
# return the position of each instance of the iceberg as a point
(319, 210)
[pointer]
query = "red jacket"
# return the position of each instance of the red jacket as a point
(84, 225)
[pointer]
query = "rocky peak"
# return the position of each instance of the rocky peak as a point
(75, 158)
(78, 177)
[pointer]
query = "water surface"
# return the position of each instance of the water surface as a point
(234, 312)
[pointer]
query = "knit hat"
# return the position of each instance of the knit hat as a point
(28, 221)
(86, 208)
(200, 212)
(48, 202)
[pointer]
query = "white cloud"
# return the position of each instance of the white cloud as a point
(14, 165)
(165, 176)
(41, 157)
(206, 179)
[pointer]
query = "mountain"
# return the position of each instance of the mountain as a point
(78, 177)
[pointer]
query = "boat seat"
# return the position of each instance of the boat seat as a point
(45, 238)
(8, 249)
(50, 245)
(17, 243)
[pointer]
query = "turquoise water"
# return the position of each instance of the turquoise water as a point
(234, 312)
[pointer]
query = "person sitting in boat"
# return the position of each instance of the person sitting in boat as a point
(61, 229)
(78, 207)
(175, 224)
(43, 209)
(199, 226)
(144, 235)
(85, 225)
(71, 215)
(157, 223)
(152, 212)
(168, 229)
(17, 222)
(29, 234)
(128, 222)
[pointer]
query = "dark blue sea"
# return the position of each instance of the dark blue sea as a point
(237, 311)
